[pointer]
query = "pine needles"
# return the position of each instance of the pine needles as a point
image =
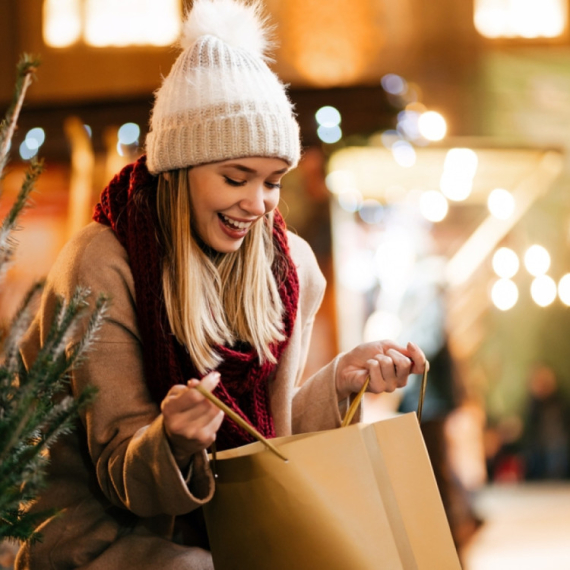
(35, 408)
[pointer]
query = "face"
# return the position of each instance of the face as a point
(229, 197)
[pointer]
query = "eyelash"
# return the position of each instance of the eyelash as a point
(237, 183)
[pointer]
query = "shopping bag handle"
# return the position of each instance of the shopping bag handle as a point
(238, 420)
(357, 399)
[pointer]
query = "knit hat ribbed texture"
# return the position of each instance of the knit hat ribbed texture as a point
(220, 100)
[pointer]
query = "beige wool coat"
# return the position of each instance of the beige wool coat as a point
(122, 496)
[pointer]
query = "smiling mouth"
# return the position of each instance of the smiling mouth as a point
(233, 224)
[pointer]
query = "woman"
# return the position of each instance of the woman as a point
(207, 287)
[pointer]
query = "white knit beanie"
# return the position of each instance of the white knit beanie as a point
(220, 100)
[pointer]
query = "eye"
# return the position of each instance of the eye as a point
(233, 182)
(273, 185)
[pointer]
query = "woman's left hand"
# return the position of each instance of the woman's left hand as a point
(387, 363)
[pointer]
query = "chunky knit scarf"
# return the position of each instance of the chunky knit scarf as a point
(128, 206)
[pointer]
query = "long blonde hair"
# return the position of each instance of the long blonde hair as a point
(218, 299)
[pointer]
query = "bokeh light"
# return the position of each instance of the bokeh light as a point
(537, 260)
(394, 84)
(404, 154)
(506, 262)
(459, 170)
(328, 116)
(329, 135)
(501, 203)
(129, 133)
(543, 290)
(564, 289)
(432, 126)
(339, 181)
(371, 211)
(350, 201)
(26, 152)
(504, 294)
(433, 205)
(35, 137)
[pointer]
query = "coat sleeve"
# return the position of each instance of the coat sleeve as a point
(125, 434)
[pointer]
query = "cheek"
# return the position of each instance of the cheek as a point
(272, 202)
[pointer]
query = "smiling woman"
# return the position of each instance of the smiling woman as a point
(208, 288)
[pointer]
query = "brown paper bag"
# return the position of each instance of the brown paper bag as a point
(362, 497)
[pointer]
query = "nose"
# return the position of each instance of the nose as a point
(253, 202)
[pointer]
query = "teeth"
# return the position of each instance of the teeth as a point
(234, 224)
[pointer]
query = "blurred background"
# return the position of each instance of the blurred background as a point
(434, 190)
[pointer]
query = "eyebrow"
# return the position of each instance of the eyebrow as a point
(243, 168)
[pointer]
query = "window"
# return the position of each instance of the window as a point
(111, 23)
(520, 18)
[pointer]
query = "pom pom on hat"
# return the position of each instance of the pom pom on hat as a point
(238, 25)
(220, 100)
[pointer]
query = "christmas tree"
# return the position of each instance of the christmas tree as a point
(35, 408)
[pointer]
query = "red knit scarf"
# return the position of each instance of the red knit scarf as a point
(128, 206)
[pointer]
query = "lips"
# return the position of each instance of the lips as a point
(235, 224)
(232, 228)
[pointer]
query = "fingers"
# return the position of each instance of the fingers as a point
(182, 398)
(418, 359)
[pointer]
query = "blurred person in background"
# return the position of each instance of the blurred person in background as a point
(546, 439)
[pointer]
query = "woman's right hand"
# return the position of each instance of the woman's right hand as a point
(190, 420)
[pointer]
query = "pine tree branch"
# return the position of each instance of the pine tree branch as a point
(9, 224)
(25, 70)
(18, 328)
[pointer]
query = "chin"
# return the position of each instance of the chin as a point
(227, 247)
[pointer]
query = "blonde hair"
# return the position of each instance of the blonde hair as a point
(216, 299)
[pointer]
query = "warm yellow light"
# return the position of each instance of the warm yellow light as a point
(432, 126)
(131, 22)
(564, 289)
(543, 290)
(501, 203)
(339, 181)
(433, 206)
(330, 43)
(520, 18)
(404, 153)
(62, 22)
(458, 172)
(504, 294)
(380, 325)
(537, 260)
(505, 262)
